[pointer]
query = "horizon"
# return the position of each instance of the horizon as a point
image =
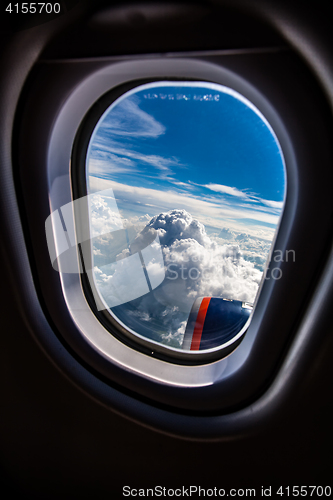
(153, 152)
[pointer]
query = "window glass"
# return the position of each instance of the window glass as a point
(185, 184)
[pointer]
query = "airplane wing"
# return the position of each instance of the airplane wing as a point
(213, 321)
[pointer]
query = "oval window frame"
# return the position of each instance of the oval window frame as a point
(97, 350)
(80, 152)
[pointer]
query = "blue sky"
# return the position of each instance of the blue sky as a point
(194, 146)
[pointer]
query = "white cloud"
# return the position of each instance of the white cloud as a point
(125, 281)
(108, 147)
(219, 188)
(213, 212)
(185, 185)
(272, 204)
(226, 234)
(253, 249)
(104, 215)
(250, 198)
(127, 119)
(113, 164)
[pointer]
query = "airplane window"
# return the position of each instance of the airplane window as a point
(185, 185)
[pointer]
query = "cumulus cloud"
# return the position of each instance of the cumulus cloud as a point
(253, 249)
(197, 265)
(122, 281)
(226, 234)
(104, 214)
(194, 264)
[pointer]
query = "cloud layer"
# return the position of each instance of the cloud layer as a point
(195, 265)
(212, 211)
